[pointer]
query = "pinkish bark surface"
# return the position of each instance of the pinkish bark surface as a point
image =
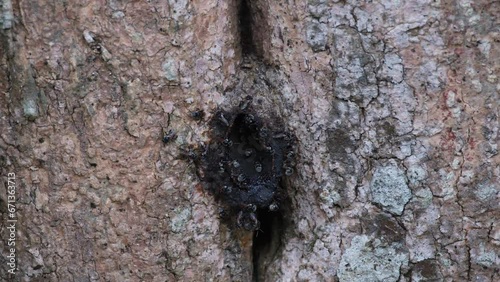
(394, 103)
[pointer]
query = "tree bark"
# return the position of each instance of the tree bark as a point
(394, 105)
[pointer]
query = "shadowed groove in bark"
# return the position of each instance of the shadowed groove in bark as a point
(245, 23)
(267, 240)
(255, 33)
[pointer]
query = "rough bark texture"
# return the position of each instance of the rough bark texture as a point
(394, 103)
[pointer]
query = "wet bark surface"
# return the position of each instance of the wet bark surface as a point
(394, 106)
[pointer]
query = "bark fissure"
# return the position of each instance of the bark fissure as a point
(245, 23)
(267, 240)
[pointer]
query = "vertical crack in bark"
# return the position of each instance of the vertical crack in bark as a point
(254, 30)
(267, 242)
(245, 23)
(267, 239)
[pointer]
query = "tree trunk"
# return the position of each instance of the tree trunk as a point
(394, 105)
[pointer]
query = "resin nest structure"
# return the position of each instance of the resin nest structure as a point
(245, 162)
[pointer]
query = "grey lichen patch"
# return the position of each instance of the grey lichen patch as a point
(432, 75)
(486, 258)
(389, 189)
(366, 260)
(416, 174)
(180, 219)
(41, 199)
(329, 196)
(118, 194)
(30, 97)
(170, 70)
(424, 197)
(356, 68)
(335, 193)
(118, 15)
(316, 36)
(392, 69)
(30, 108)
(485, 192)
(178, 9)
(7, 14)
(318, 8)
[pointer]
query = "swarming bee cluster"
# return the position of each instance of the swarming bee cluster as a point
(244, 164)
